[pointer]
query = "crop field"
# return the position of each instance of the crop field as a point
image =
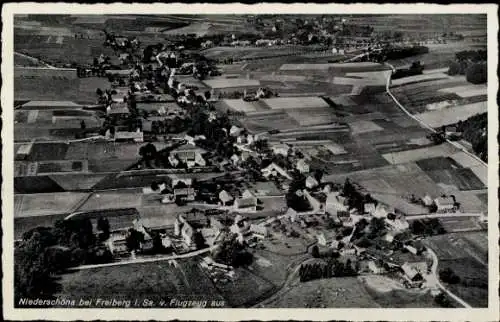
(365, 66)
(113, 199)
(442, 150)
(359, 127)
(452, 115)
(462, 179)
(390, 293)
(266, 122)
(47, 204)
(296, 102)
(70, 50)
(473, 285)
(459, 224)
(240, 105)
(393, 178)
(467, 90)
(42, 88)
(342, 292)
(315, 117)
(245, 289)
(156, 281)
(457, 246)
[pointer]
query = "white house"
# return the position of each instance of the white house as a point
(335, 204)
(235, 131)
(247, 202)
(322, 239)
(302, 166)
(280, 149)
(427, 200)
(259, 231)
(274, 170)
(311, 182)
(369, 208)
(225, 197)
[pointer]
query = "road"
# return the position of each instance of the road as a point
(447, 215)
(146, 260)
(455, 144)
(432, 280)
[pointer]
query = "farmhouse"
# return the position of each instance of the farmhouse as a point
(274, 170)
(411, 274)
(225, 198)
(311, 182)
(302, 166)
(280, 149)
(259, 231)
(335, 204)
(445, 204)
(247, 202)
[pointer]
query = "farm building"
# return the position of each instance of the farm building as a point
(302, 166)
(247, 202)
(335, 204)
(445, 204)
(225, 197)
(274, 170)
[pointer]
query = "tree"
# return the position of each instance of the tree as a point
(318, 175)
(199, 240)
(477, 73)
(315, 251)
(443, 300)
(134, 239)
(103, 225)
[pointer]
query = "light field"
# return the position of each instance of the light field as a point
(467, 90)
(219, 83)
(43, 204)
(442, 150)
(452, 115)
(295, 102)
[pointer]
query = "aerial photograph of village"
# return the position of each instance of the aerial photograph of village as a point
(250, 161)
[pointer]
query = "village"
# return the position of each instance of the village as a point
(184, 159)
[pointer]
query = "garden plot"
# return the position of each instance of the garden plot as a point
(467, 90)
(283, 78)
(313, 116)
(296, 102)
(452, 115)
(221, 83)
(442, 150)
(265, 122)
(325, 67)
(364, 127)
(42, 204)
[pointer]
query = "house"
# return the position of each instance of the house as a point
(280, 149)
(235, 131)
(302, 166)
(147, 243)
(187, 194)
(369, 208)
(190, 154)
(322, 239)
(336, 204)
(445, 204)
(259, 231)
(247, 202)
(235, 159)
(311, 182)
(274, 170)
(411, 249)
(315, 204)
(380, 211)
(398, 224)
(374, 268)
(187, 234)
(427, 200)
(117, 242)
(225, 197)
(411, 274)
(389, 237)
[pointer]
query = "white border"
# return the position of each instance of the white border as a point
(490, 314)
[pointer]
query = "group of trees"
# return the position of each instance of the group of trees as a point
(427, 227)
(232, 252)
(472, 64)
(355, 198)
(443, 300)
(447, 275)
(332, 268)
(474, 131)
(45, 251)
(296, 201)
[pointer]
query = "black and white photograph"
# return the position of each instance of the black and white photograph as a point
(250, 159)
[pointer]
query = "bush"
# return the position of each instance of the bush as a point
(477, 74)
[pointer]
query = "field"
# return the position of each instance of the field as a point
(346, 292)
(46, 204)
(442, 150)
(452, 115)
(295, 102)
(389, 293)
(80, 90)
(24, 224)
(113, 199)
(156, 281)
